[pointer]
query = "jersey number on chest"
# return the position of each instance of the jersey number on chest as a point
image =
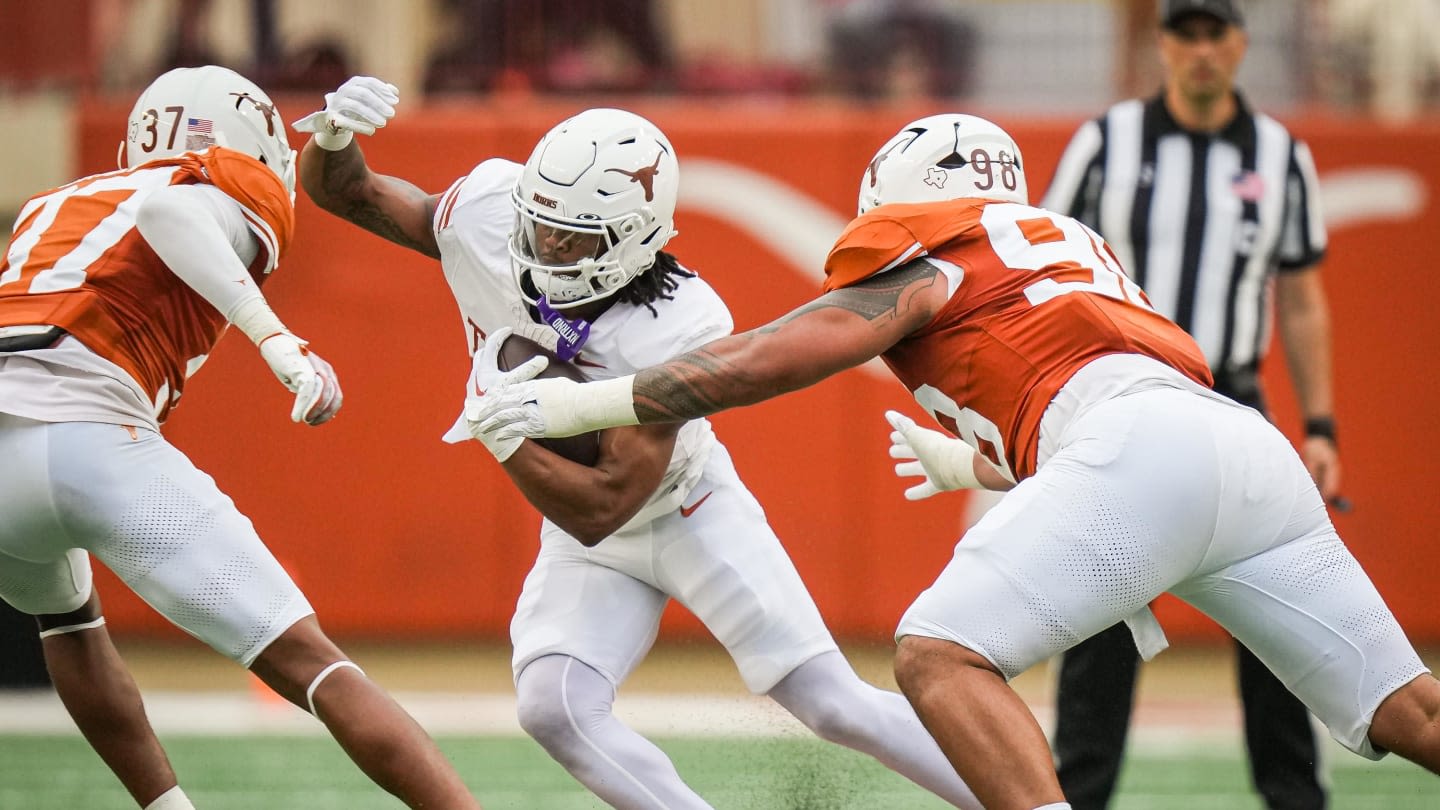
(1072, 255)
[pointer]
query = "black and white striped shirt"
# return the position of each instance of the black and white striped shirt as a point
(1200, 220)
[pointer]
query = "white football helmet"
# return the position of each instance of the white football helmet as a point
(190, 109)
(945, 157)
(603, 173)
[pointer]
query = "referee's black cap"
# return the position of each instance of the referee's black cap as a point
(1226, 11)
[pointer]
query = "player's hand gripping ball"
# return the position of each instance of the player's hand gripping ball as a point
(582, 449)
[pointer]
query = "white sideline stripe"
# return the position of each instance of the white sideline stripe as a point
(486, 713)
(40, 712)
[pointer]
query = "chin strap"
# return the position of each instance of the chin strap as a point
(572, 333)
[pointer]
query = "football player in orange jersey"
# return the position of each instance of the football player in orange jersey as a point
(113, 290)
(1017, 330)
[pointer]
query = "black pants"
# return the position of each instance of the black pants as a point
(1093, 702)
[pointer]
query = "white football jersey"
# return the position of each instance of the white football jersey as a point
(472, 228)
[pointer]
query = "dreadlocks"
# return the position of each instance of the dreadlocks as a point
(655, 283)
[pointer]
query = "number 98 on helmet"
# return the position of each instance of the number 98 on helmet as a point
(945, 157)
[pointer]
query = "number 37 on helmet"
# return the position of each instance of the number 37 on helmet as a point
(192, 109)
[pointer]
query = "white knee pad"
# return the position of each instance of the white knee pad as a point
(559, 696)
(61, 585)
(325, 673)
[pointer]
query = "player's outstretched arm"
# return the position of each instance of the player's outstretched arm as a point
(334, 173)
(196, 234)
(836, 331)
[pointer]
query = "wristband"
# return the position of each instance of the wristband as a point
(1320, 427)
(570, 409)
(952, 460)
(326, 136)
(333, 140)
(254, 317)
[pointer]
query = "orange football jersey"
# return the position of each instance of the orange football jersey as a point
(1035, 296)
(76, 260)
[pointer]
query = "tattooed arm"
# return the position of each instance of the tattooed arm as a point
(342, 184)
(836, 331)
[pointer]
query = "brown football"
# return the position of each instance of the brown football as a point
(582, 449)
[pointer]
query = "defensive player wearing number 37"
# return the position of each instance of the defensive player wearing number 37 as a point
(113, 290)
(571, 243)
(1018, 331)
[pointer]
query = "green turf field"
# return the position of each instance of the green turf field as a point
(309, 773)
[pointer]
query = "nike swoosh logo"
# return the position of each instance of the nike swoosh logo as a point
(687, 511)
(581, 361)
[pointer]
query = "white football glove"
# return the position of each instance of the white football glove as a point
(362, 104)
(539, 332)
(509, 410)
(555, 406)
(485, 377)
(945, 463)
(313, 381)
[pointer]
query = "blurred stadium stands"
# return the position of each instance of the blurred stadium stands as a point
(1052, 55)
(1034, 57)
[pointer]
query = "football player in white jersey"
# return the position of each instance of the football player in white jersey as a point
(567, 248)
(113, 290)
(1017, 329)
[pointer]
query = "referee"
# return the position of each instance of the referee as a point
(1213, 208)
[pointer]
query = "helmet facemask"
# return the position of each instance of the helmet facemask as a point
(620, 253)
(605, 179)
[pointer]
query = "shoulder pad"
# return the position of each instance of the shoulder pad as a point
(253, 185)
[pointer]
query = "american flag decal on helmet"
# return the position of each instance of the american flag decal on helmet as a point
(199, 134)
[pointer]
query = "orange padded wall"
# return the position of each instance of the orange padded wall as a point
(393, 534)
